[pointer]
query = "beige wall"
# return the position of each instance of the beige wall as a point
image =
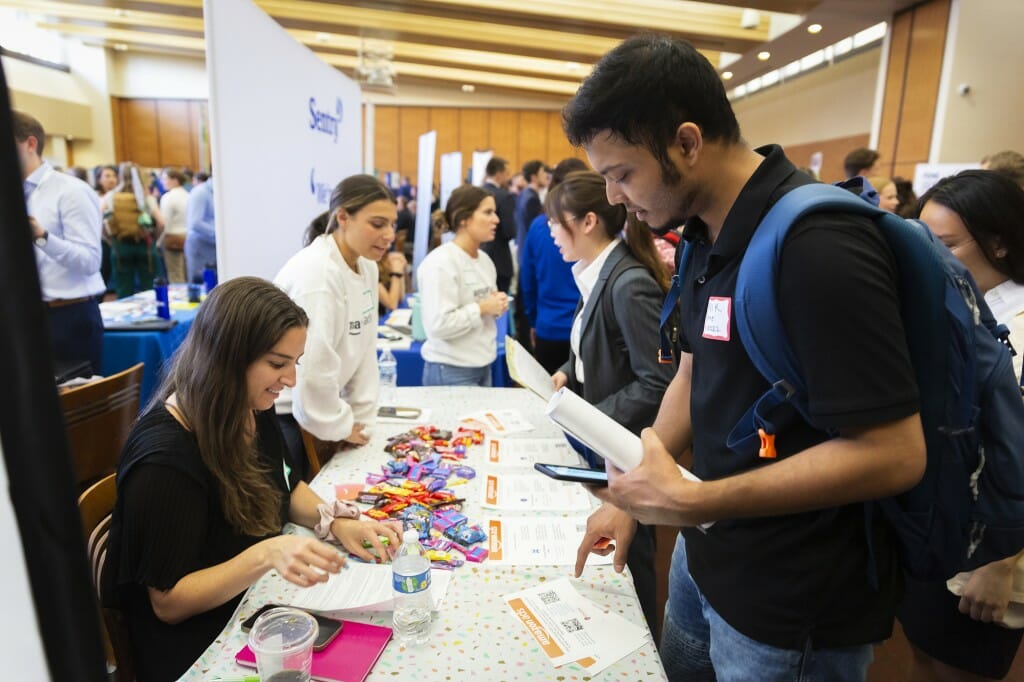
(987, 55)
(74, 103)
(833, 102)
(157, 76)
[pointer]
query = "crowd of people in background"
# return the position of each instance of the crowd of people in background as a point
(581, 259)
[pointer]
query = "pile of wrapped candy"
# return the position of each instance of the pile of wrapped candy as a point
(415, 487)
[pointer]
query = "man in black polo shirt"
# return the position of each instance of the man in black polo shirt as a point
(778, 587)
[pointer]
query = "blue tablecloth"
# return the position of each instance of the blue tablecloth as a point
(410, 366)
(121, 350)
(410, 362)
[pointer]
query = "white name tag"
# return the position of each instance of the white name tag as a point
(716, 323)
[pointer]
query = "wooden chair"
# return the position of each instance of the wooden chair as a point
(98, 417)
(96, 505)
(316, 450)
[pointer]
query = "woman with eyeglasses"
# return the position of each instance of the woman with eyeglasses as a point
(979, 215)
(613, 359)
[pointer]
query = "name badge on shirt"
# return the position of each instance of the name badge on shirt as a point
(716, 323)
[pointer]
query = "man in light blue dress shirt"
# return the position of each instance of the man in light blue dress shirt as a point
(201, 239)
(64, 214)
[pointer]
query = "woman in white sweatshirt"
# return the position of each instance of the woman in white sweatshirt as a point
(979, 215)
(459, 297)
(334, 279)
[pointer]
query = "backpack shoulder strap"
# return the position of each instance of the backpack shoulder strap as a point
(667, 344)
(757, 315)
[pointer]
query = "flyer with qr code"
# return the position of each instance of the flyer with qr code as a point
(571, 629)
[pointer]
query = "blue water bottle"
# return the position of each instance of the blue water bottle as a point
(163, 304)
(210, 277)
(195, 289)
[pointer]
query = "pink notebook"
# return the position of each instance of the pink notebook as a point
(348, 658)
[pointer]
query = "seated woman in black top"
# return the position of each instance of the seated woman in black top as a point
(204, 485)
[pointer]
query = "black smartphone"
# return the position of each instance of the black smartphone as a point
(575, 474)
(327, 628)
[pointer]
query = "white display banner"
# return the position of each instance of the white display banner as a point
(451, 175)
(285, 128)
(480, 160)
(424, 189)
(927, 174)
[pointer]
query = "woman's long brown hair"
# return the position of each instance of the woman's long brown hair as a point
(583, 192)
(238, 323)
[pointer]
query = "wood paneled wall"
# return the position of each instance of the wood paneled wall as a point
(158, 132)
(833, 152)
(518, 135)
(917, 43)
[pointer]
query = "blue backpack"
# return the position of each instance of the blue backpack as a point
(968, 509)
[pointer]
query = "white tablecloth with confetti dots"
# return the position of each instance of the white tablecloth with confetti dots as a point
(473, 636)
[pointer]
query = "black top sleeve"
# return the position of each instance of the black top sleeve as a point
(165, 514)
(840, 310)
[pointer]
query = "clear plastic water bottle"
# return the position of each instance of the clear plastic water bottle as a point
(410, 576)
(388, 366)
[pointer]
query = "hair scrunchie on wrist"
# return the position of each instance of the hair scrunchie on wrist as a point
(339, 509)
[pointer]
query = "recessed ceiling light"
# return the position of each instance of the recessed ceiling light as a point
(466, 87)
(120, 47)
(322, 37)
(814, 28)
(764, 55)
(572, 66)
(726, 75)
(120, 12)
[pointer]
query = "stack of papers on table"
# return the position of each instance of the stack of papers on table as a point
(361, 587)
(572, 629)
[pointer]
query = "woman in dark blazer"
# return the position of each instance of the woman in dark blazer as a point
(613, 360)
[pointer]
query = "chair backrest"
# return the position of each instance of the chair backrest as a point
(96, 505)
(98, 417)
(312, 446)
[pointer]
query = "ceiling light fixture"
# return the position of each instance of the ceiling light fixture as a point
(726, 75)
(120, 47)
(466, 87)
(323, 37)
(764, 55)
(572, 66)
(814, 29)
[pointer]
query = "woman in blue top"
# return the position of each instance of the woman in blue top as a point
(546, 286)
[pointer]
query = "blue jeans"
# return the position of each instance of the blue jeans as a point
(697, 644)
(440, 374)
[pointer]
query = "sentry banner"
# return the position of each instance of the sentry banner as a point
(285, 129)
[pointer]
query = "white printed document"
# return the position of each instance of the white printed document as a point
(524, 452)
(360, 587)
(526, 371)
(570, 628)
(530, 541)
(498, 422)
(598, 431)
(533, 491)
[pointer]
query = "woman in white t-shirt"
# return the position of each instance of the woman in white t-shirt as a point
(979, 215)
(334, 279)
(459, 297)
(173, 204)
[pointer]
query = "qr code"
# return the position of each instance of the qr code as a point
(549, 597)
(572, 625)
